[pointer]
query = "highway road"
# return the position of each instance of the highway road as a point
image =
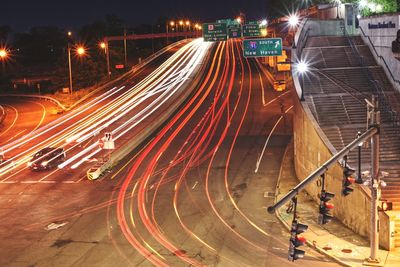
(193, 194)
(23, 117)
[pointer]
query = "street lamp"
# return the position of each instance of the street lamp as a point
(104, 45)
(302, 68)
(80, 51)
(338, 2)
(181, 23)
(293, 21)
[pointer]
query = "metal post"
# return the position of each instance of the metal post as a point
(70, 69)
(126, 57)
(108, 60)
(374, 186)
(359, 178)
(167, 31)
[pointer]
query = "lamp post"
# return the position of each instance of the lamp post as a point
(302, 68)
(293, 21)
(181, 24)
(338, 2)
(80, 51)
(104, 45)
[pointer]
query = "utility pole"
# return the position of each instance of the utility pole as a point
(70, 69)
(108, 60)
(375, 185)
(126, 57)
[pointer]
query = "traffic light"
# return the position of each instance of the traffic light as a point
(325, 207)
(348, 180)
(296, 241)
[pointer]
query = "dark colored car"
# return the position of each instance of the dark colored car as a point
(47, 158)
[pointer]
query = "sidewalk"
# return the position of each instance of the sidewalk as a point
(332, 239)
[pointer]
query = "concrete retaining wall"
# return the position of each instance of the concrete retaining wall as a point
(312, 148)
(380, 41)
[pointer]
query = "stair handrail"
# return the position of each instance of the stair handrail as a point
(379, 56)
(387, 108)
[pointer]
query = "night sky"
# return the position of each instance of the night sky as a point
(21, 15)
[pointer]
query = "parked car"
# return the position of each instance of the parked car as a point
(47, 158)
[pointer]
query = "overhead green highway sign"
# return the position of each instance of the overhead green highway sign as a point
(234, 31)
(251, 30)
(262, 47)
(214, 32)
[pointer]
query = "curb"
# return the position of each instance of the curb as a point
(283, 222)
(48, 98)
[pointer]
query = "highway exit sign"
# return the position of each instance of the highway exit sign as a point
(251, 30)
(262, 47)
(214, 32)
(234, 31)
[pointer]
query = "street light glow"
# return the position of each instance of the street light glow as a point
(187, 23)
(293, 20)
(103, 45)
(80, 50)
(302, 67)
(238, 19)
(181, 22)
(3, 53)
(264, 22)
(172, 23)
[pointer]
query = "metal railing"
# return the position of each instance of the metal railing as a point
(378, 90)
(379, 56)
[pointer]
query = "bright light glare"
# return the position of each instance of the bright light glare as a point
(238, 19)
(172, 23)
(302, 67)
(264, 32)
(358, 16)
(187, 23)
(293, 20)
(264, 22)
(80, 50)
(103, 45)
(3, 53)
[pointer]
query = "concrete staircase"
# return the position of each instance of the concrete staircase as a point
(335, 94)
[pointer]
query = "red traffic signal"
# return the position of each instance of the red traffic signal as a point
(325, 207)
(296, 241)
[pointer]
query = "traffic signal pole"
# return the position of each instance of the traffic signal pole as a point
(375, 185)
(313, 176)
